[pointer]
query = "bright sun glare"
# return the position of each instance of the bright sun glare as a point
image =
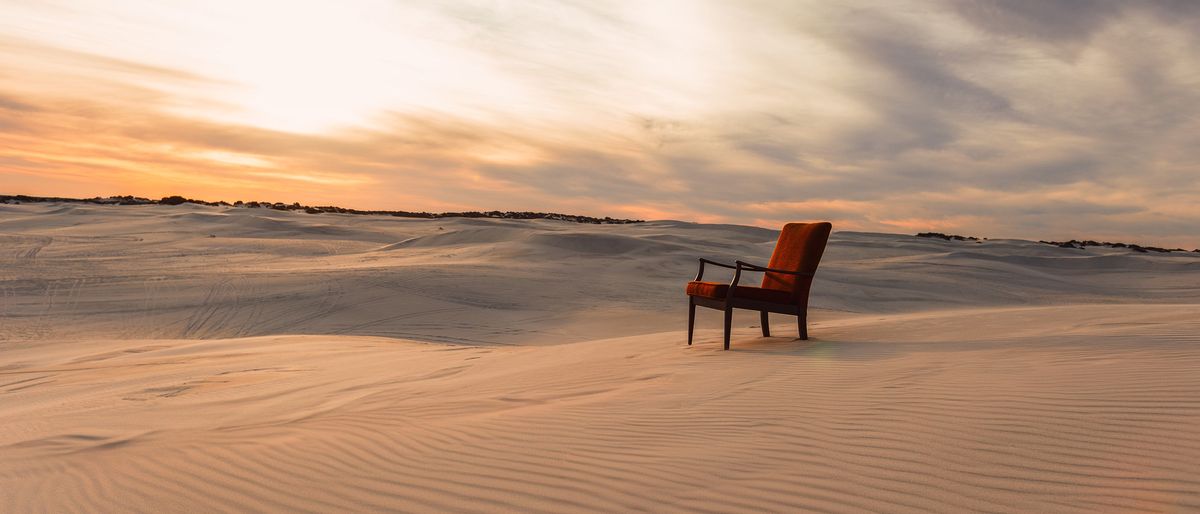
(322, 66)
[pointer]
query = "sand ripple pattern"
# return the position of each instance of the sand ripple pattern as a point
(1001, 410)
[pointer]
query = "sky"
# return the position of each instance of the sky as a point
(1035, 119)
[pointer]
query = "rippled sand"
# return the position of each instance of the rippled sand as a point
(329, 363)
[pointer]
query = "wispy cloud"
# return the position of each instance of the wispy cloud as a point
(997, 118)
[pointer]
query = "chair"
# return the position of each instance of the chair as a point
(786, 281)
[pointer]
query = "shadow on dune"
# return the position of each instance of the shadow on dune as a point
(814, 348)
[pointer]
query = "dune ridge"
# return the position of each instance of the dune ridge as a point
(541, 367)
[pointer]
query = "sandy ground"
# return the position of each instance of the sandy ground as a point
(183, 359)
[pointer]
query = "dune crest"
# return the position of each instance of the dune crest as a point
(312, 364)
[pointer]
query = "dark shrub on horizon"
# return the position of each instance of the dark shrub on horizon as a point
(1082, 245)
(294, 206)
(948, 237)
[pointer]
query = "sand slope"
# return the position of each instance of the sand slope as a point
(145, 366)
(83, 271)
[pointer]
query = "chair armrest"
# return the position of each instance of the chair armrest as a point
(754, 267)
(703, 261)
(715, 263)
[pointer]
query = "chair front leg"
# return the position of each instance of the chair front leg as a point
(802, 321)
(733, 284)
(691, 318)
(766, 324)
(728, 323)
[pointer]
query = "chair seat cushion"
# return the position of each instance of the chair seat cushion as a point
(718, 291)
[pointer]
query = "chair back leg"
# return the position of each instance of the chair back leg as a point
(766, 323)
(728, 324)
(691, 318)
(802, 321)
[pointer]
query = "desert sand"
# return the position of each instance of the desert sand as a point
(198, 359)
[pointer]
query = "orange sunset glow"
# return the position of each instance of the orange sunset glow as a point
(970, 117)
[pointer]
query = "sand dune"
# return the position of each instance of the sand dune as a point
(324, 363)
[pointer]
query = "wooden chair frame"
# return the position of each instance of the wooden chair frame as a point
(732, 302)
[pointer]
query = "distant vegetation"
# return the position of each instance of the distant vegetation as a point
(178, 200)
(948, 237)
(1080, 245)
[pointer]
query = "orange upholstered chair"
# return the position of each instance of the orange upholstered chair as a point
(786, 280)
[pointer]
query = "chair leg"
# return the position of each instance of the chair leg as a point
(766, 324)
(728, 324)
(691, 318)
(802, 321)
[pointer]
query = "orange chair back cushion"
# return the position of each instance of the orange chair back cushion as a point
(799, 248)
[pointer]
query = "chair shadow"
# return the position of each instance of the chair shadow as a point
(848, 348)
(814, 347)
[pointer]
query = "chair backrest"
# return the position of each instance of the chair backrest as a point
(799, 248)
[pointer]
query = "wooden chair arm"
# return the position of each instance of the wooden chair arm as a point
(755, 267)
(703, 261)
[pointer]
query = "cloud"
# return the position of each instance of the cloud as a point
(1064, 23)
(1045, 119)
